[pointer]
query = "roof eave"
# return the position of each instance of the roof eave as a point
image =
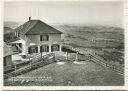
(41, 33)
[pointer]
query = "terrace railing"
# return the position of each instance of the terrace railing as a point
(35, 62)
(100, 61)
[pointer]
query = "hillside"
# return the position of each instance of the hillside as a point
(106, 42)
(88, 36)
(12, 24)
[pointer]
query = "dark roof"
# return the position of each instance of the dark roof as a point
(36, 27)
(7, 50)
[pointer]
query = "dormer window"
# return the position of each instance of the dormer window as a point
(44, 38)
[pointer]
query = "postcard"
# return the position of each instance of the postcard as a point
(63, 43)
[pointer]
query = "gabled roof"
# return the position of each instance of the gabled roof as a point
(7, 51)
(36, 27)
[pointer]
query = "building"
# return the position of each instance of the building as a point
(7, 62)
(9, 35)
(36, 36)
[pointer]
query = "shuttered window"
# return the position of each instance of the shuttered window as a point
(44, 48)
(44, 38)
(32, 49)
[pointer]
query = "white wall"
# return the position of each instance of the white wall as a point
(52, 38)
(35, 39)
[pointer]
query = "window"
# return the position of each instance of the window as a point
(20, 45)
(44, 38)
(44, 48)
(55, 47)
(32, 49)
(17, 34)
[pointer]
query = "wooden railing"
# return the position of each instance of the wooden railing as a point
(36, 62)
(100, 61)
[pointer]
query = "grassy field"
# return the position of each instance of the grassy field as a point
(84, 74)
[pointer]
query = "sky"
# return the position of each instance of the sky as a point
(108, 13)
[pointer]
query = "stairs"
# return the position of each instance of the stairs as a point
(19, 48)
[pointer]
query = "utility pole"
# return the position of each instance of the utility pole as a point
(76, 59)
(66, 56)
(41, 54)
(15, 67)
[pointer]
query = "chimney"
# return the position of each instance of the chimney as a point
(29, 18)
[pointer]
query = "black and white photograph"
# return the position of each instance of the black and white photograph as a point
(63, 43)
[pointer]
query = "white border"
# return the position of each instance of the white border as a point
(1, 44)
(61, 0)
(65, 87)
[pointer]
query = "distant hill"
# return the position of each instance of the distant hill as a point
(69, 28)
(82, 28)
(11, 24)
(88, 36)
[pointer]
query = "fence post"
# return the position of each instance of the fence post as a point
(41, 55)
(54, 57)
(76, 59)
(89, 57)
(30, 65)
(15, 67)
(66, 56)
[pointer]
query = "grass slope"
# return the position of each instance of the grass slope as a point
(87, 74)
